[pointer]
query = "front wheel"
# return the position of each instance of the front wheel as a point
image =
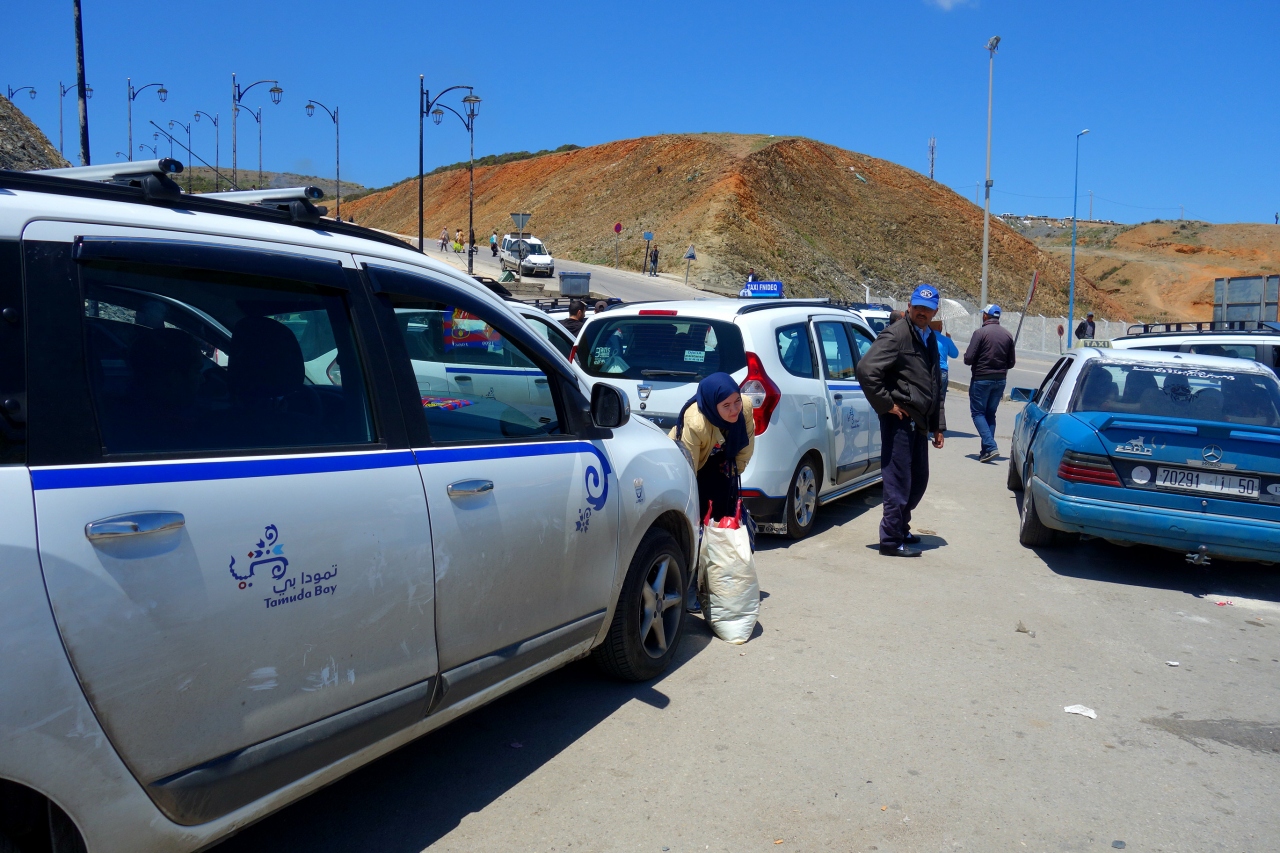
(802, 500)
(649, 619)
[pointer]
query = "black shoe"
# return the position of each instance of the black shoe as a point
(911, 539)
(898, 551)
(989, 455)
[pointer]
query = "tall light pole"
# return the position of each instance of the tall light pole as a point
(190, 165)
(237, 95)
(256, 115)
(992, 45)
(217, 146)
(427, 106)
(337, 150)
(1071, 290)
(142, 146)
(63, 90)
(82, 94)
(161, 92)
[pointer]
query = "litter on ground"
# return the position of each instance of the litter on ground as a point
(1082, 711)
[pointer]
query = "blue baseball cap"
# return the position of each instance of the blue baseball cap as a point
(925, 295)
(992, 309)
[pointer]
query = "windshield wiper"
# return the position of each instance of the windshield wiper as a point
(667, 373)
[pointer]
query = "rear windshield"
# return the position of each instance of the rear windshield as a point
(660, 347)
(1179, 392)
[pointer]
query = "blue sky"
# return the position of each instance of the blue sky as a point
(1180, 96)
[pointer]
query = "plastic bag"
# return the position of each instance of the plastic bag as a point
(728, 588)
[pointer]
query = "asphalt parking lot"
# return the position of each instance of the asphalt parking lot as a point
(883, 705)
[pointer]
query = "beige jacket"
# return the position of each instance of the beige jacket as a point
(701, 437)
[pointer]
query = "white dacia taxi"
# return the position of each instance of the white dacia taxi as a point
(243, 549)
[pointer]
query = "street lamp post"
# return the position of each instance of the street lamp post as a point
(427, 106)
(237, 95)
(337, 149)
(992, 45)
(256, 116)
(88, 93)
(190, 165)
(13, 91)
(217, 147)
(1071, 289)
(156, 138)
(161, 92)
(142, 146)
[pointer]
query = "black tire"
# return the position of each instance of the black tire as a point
(1015, 479)
(1032, 532)
(802, 499)
(633, 651)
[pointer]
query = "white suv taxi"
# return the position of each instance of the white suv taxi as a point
(817, 437)
(227, 579)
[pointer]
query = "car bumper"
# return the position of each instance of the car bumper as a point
(1221, 535)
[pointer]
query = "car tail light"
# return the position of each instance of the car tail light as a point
(657, 312)
(759, 388)
(1088, 468)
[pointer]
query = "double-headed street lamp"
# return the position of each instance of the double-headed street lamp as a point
(161, 92)
(428, 105)
(1075, 197)
(88, 93)
(337, 150)
(237, 95)
(217, 145)
(190, 154)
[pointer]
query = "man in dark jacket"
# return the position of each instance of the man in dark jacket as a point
(901, 378)
(990, 357)
(577, 316)
(1087, 328)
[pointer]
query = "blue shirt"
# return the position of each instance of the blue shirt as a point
(946, 349)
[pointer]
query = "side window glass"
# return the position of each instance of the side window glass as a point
(555, 337)
(13, 388)
(861, 340)
(204, 361)
(1055, 385)
(836, 352)
(1048, 377)
(794, 350)
(475, 384)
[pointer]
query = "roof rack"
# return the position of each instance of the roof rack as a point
(146, 189)
(150, 176)
(1205, 326)
(296, 201)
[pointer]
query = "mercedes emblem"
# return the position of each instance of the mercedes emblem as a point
(1212, 453)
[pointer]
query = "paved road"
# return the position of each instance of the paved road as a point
(884, 705)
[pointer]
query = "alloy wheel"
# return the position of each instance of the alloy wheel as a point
(661, 606)
(804, 495)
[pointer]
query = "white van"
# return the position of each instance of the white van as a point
(525, 255)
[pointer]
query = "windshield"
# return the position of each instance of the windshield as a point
(531, 247)
(661, 348)
(1177, 391)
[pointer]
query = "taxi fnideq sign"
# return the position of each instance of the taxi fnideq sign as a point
(761, 290)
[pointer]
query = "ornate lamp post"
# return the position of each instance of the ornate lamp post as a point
(217, 146)
(161, 92)
(187, 128)
(468, 118)
(337, 150)
(426, 106)
(142, 146)
(237, 95)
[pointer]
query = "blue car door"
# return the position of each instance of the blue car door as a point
(1037, 409)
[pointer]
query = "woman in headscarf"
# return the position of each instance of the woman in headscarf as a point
(719, 431)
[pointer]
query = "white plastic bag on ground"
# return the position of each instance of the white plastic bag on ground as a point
(727, 581)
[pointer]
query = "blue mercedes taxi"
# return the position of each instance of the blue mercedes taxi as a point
(1176, 450)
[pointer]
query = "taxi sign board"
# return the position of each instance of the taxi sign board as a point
(761, 290)
(1092, 342)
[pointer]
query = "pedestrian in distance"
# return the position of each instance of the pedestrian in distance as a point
(493, 243)
(1087, 328)
(653, 261)
(444, 238)
(751, 274)
(990, 356)
(901, 376)
(946, 351)
(457, 242)
(718, 429)
(577, 316)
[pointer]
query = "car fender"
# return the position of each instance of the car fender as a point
(1055, 434)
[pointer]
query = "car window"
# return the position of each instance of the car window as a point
(878, 324)
(662, 345)
(861, 340)
(837, 354)
(1048, 378)
(1248, 351)
(1054, 384)
(1179, 391)
(13, 432)
(794, 350)
(552, 335)
(474, 382)
(204, 361)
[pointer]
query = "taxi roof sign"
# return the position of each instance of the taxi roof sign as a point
(761, 290)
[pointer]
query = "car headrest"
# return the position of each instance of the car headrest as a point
(265, 359)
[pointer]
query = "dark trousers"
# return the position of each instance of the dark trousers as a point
(984, 398)
(717, 487)
(904, 458)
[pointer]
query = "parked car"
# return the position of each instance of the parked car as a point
(525, 255)
(1175, 450)
(227, 579)
(874, 313)
(1258, 342)
(817, 438)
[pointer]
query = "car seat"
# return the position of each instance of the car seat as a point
(266, 376)
(1099, 393)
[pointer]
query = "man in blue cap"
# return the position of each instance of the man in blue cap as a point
(990, 356)
(902, 379)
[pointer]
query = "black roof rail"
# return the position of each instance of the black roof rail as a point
(143, 190)
(1204, 327)
(561, 303)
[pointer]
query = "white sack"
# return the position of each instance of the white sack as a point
(730, 592)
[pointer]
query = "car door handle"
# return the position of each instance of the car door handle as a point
(133, 523)
(837, 397)
(463, 488)
(462, 379)
(539, 382)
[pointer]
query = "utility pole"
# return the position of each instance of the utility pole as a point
(81, 99)
(933, 149)
(992, 46)
(1090, 205)
(1181, 211)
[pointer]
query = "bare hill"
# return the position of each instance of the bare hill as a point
(23, 146)
(824, 220)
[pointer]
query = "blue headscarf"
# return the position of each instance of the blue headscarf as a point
(712, 391)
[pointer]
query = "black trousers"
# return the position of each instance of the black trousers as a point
(904, 458)
(718, 486)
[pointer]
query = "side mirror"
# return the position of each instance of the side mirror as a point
(1022, 395)
(609, 406)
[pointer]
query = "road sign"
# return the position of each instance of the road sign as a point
(617, 229)
(1061, 331)
(521, 220)
(648, 235)
(761, 290)
(689, 255)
